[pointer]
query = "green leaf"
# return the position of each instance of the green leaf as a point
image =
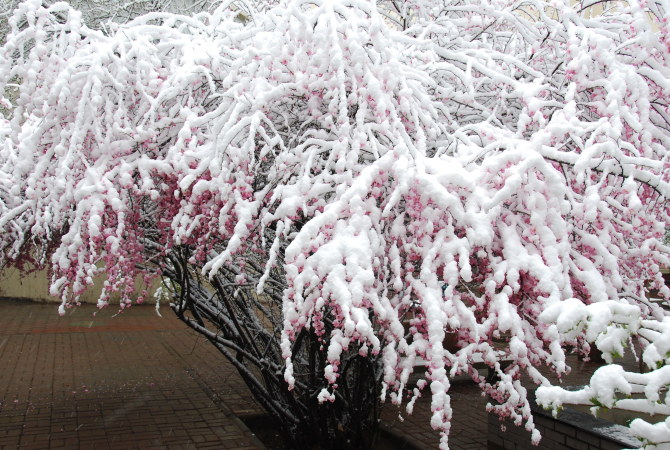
(596, 402)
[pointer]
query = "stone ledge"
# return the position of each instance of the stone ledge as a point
(570, 429)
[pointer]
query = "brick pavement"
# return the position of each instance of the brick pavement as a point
(141, 381)
(131, 381)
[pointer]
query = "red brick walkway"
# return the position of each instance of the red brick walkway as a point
(141, 381)
(131, 381)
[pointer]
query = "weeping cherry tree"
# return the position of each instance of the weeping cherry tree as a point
(328, 190)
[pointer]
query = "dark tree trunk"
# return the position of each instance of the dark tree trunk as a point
(246, 327)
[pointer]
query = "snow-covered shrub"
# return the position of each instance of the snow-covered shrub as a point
(328, 188)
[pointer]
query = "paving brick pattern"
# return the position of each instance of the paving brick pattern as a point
(131, 381)
(136, 380)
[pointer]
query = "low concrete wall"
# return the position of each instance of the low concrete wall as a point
(35, 286)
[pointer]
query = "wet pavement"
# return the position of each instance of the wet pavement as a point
(137, 380)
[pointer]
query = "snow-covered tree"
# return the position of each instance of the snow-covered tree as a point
(328, 188)
(97, 12)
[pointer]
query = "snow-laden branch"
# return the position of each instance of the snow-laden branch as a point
(610, 326)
